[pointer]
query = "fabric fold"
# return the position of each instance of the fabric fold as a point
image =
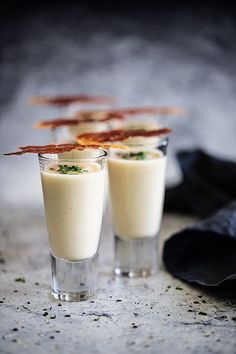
(208, 184)
(205, 254)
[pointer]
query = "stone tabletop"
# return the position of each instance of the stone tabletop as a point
(148, 315)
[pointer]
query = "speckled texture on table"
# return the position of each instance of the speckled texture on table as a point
(146, 315)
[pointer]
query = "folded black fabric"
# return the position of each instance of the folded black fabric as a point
(205, 254)
(208, 184)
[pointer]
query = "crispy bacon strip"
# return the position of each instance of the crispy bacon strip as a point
(118, 135)
(55, 123)
(103, 140)
(104, 116)
(124, 112)
(65, 100)
(59, 148)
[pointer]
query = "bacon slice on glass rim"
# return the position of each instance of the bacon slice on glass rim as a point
(107, 115)
(103, 140)
(118, 135)
(65, 100)
(68, 121)
(60, 148)
(133, 111)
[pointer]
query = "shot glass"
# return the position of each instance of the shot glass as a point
(137, 185)
(68, 134)
(145, 122)
(73, 191)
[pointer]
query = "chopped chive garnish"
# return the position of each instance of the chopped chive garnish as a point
(74, 169)
(141, 155)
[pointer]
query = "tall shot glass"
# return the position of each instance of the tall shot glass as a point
(137, 185)
(73, 192)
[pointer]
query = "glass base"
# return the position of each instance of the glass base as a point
(136, 258)
(74, 280)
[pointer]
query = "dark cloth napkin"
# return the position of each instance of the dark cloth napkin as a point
(205, 253)
(208, 184)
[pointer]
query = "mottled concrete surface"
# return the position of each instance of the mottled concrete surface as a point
(148, 57)
(157, 314)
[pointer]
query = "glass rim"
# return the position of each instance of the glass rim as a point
(156, 144)
(44, 157)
